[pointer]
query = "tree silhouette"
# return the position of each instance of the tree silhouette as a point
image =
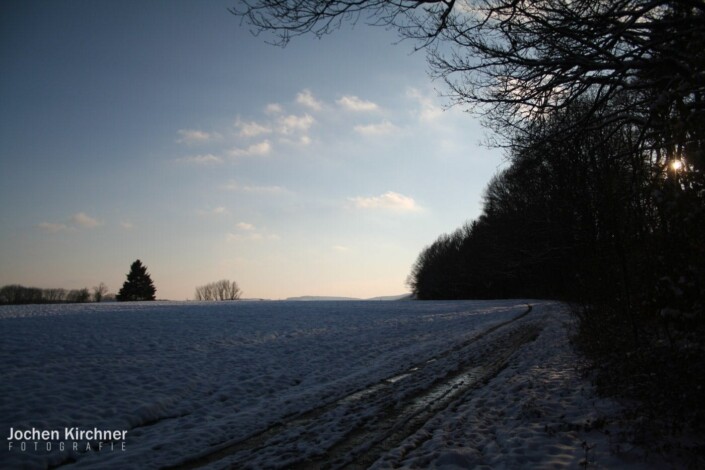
(515, 61)
(220, 290)
(138, 286)
(99, 292)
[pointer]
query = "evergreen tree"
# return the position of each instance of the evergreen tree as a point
(138, 286)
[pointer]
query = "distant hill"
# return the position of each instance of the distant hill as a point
(310, 298)
(392, 297)
(319, 297)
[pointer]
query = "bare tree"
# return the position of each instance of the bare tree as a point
(78, 295)
(220, 290)
(205, 292)
(198, 295)
(285, 19)
(53, 296)
(514, 60)
(99, 292)
(233, 292)
(17, 294)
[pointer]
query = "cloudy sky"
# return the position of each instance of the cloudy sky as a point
(165, 131)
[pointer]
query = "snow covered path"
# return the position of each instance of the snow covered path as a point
(375, 419)
(301, 385)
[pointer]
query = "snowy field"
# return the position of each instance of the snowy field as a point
(298, 385)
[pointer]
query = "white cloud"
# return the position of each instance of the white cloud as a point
(248, 232)
(237, 237)
(471, 10)
(389, 201)
(78, 220)
(84, 220)
(341, 248)
(127, 225)
(250, 236)
(353, 103)
(195, 136)
(252, 128)
(52, 227)
(307, 99)
(292, 123)
(382, 128)
(254, 150)
(301, 141)
(429, 110)
(245, 226)
(207, 159)
(273, 108)
(235, 186)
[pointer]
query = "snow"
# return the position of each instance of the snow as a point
(277, 384)
(537, 413)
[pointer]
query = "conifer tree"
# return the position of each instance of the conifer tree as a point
(138, 286)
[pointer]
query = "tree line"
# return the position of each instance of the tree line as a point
(615, 228)
(15, 294)
(567, 219)
(600, 105)
(138, 286)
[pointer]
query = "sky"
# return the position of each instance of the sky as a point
(165, 131)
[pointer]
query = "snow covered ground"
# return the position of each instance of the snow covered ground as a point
(298, 385)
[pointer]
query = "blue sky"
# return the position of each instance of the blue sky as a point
(165, 131)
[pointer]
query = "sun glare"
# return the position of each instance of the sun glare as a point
(676, 165)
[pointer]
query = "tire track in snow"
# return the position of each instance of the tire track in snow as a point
(376, 419)
(362, 447)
